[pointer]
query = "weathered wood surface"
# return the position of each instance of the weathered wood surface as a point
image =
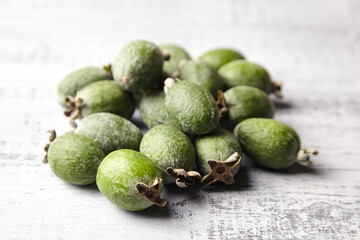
(312, 46)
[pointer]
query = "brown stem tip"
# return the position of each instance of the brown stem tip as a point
(183, 178)
(221, 170)
(223, 109)
(151, 193)
(166, 55)
(276, 89)
(303, 156)
(169, 82)
(52, 137)
(75, 107)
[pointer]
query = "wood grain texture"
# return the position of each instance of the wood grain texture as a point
(312, 46)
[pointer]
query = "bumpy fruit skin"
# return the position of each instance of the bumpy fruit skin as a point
(79, 79)
(191, 108)
(152, 109)
(75, 158)
(118, 174)
(171, 67)
(106, 96)
(268, 142)
(244, 73)
(218, 146)
(246, 102)
(111, 131)
(220, 56)
(203, 74)
(138, 66)
(167, 146)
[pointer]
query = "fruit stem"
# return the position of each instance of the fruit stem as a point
(223, 109)
(108, 68)
(52, 137)
(221, 170)
(151, 193)
(169, 82)
(75, 107)
(303, 156)
(183, 178)
(276, 89)
(166, 55)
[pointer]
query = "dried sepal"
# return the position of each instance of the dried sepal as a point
(169, 82)
(151, 193)
(221, 170)
(276, 89)
(108, 68)
(223, 109)
(166, 55)
(75, 106)
(183, 178)
(52, 137)
(303, 156)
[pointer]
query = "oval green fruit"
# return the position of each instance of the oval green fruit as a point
(75, 158)
(168, 147)
(177, 54)
(101, 96)
(111, 131)
(246, 102)
(191, 108)
(218, 156)
(152, 109)
(271, 143)
(245, 73)
(130, 180)
(221, 56)
(202, 74)
(79, 79)
(138, 66)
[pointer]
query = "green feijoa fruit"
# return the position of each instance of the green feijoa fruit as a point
(111, 131)
(203, 74)
(130, 180)
(79, 79)
(190, 107)
(221, 56)
(168, 147)
(218, 156)
(138, 66)
(101, 96)
(245, 73)
(74, 158)
(177, 54)
(246, 102)
(271, 143)
(152, 109)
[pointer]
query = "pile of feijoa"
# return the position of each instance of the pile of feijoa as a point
(203, 115)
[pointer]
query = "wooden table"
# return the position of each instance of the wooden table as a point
(312, 46)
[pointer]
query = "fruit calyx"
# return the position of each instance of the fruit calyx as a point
(108, 68)
(276, 89)
(166, 55)
(75, 107)
(183, 178)
(221, 170)
(303, 156)
(52, 137)
(221, 103)
(151, 193)
(169, 82)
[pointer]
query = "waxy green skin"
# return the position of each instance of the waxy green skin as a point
(203, 74)
(106, 96)
(75, 158)
(167, 146)
(191, 108)
(219, 146)
(79, 79)
(118, 174)
(171, 67)
(141, 62)
(220, 56)
(152, 109)
(111, 131)
(246, 102)
(268, 142)
(244, 73)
